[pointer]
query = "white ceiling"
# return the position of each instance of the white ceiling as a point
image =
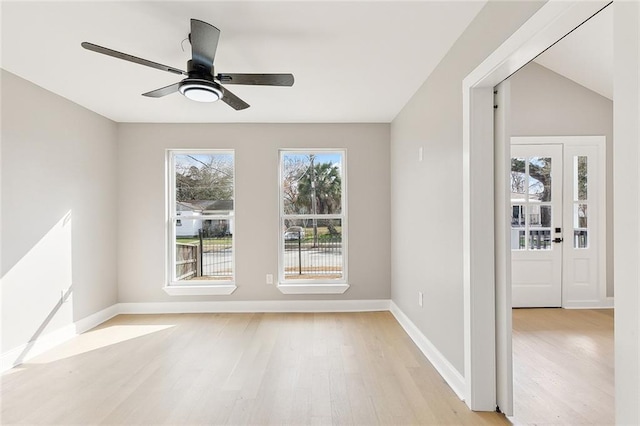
(586, 55)
(353, 61)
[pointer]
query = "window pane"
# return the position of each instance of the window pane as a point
(540, 239)
(518, 179)
(580, 225)
(545, 216)
(517, 216)
(204, 249)
(580, 178)
(517, 227)
(540, 178)
(204, 183)
(312, 183)
(313, 249)
(540, 227)
(518, 239)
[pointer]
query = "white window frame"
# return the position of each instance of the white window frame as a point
(199, 287)
(313, 286)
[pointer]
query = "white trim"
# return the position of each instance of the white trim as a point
(454, 379)
(23, 353)
(252, 306)
(171, 216)
(94, 320)
(200, 290)
(324, 288)
(598, 140)
(596, 305)
(552, 21)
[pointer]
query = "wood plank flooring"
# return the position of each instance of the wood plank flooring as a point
(563, 366)
(236, 369)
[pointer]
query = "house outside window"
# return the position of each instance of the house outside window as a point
(313, 220)
(201, 250)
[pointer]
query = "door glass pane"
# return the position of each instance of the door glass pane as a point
(580, 231)
(545, 216)
(540, 239)
(540, 178)
(534, 215)
(580, 178)
(539, 227)
(517, 216)
(517, 227)
(518, 179)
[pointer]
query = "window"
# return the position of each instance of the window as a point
(201, 221)
(313, 237)
(531, 203)
(580, 202)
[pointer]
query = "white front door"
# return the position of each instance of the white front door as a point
(557, 217)
(536, 225)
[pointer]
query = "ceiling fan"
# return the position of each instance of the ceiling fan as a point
(201, 84)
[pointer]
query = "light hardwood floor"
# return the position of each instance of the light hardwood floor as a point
(563, 366)
(296, 369)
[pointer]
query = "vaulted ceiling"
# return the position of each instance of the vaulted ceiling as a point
(586, 55)
(353, 61)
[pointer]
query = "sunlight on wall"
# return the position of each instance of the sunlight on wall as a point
(96, 339)
(36, 291)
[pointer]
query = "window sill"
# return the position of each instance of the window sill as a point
(200, 290)
(313, 288)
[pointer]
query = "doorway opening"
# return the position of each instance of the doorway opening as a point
(484, 268)
(562, 360)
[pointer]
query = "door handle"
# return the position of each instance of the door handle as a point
(557, 240)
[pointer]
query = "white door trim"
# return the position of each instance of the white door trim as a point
(553, 20)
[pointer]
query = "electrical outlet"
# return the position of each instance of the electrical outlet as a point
(269, 278)
(420, 298)
(420, 154)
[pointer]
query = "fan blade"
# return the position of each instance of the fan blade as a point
(233, 101)
(257, 79)
(130, 58)
(204, 43)
(164, 91)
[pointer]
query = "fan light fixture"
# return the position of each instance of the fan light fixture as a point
(201, 90)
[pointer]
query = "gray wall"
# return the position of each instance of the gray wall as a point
(58, 211)
(141, 200)
(427, 196)
(544, 103)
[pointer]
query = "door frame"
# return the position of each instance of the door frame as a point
(552, 22)
(600, 143)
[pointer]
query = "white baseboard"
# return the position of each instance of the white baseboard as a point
(237, 306)
(23, 353)
(449, 373)
(607, 303)
(94, 320)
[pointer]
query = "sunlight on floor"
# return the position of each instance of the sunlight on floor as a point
(97, 339)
